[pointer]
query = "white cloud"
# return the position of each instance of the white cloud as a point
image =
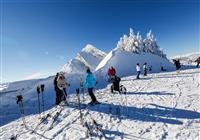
(37, 75)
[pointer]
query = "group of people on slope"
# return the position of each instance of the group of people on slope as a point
(60, 87)
(90, 81)
(145, 69)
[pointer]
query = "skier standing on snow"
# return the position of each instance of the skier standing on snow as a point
(138, 71)
(61, 86)
(177, 64)
(56, 88)
(90, 83)
(145, 69)
(150, 68)
(198, 61)
(64, 89)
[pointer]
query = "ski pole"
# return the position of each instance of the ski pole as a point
(38, 92)
(68, 94)
(79, 105)
(83, 94)
(42, 90)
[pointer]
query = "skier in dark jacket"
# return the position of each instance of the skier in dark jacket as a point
(198, 61)
(58, 96)
(145, 69)
(115, 83)
(177, 64)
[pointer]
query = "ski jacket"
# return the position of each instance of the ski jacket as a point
(111, 72)
(144, 67)
(137, 68)
(61, 84)
(90, 81)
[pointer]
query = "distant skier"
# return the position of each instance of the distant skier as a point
(198, 61)
(115, 83)
(162, 69)
(61, 86)
(145, 69)
(90, 83)
(150, 68)
(138, 71)
(177, 64)
(111, 72)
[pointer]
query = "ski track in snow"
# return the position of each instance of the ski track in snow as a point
(159, 106)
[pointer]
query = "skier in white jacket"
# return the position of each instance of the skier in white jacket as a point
(138, 71)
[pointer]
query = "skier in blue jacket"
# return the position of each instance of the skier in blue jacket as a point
(90, 83)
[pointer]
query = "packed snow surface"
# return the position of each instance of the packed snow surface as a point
(159, 106)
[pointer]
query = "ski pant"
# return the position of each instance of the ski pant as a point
(115, 86)
(145, 72)
(90, 91)
(59, 95)
(138, 75)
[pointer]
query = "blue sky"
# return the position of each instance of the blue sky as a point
(39, 36)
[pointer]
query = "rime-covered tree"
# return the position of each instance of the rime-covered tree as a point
(135, 44)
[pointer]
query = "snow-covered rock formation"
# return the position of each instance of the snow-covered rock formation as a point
(89, 57)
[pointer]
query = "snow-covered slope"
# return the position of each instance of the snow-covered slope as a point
(88, 57)
(187, 59)
(159, 106)
(74, 71)
(125, 62)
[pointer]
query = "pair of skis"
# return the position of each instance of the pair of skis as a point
(54, 118)
(94, 126)
(97, 127)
